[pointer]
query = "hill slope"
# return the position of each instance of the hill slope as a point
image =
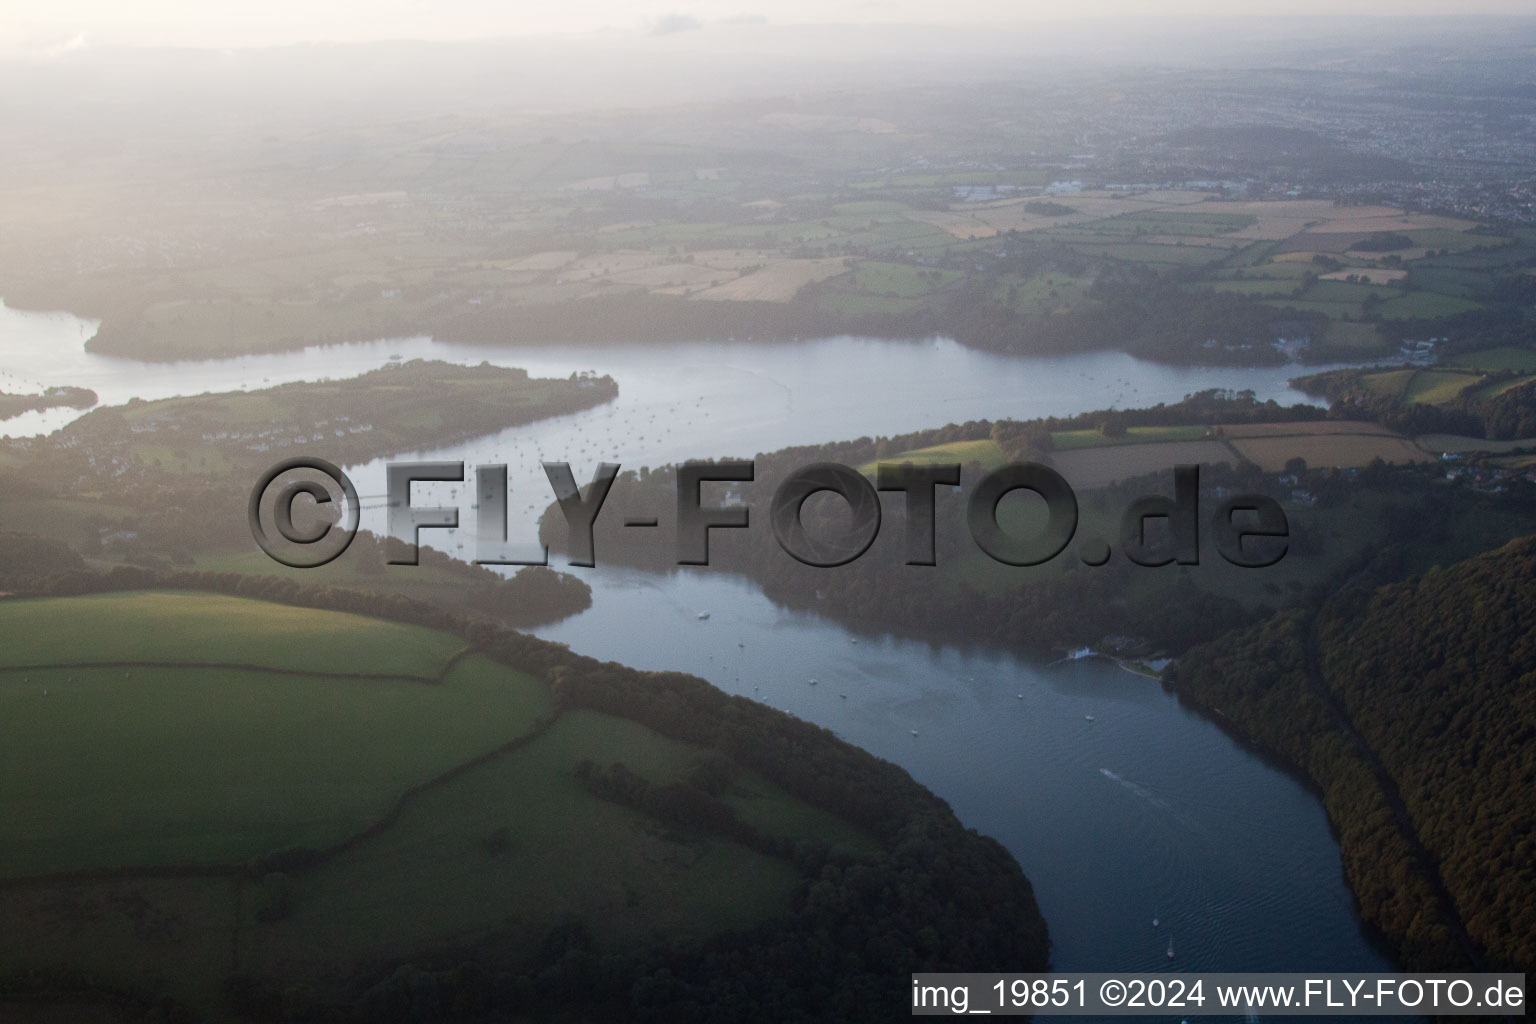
(309, 812)
(1413, 708)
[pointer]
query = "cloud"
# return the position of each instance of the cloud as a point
(670, 24)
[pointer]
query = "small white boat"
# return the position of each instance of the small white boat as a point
(1090, 718)
(813, 681)
(703, 615)
(914, 732)
(1170, 947)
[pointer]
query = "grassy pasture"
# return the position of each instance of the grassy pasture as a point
(1174, 222)
(184, 766)
(569, 855)
(1457, 443)
(1067, 440)
(1494, 359)
(985, 452)
(1498, 388)
(128, 768)
(1042, 294)
(164, 626)
(1420, 304)
(1465, 284)
(1271, 286)
(1390, 384)
(1276, 269)
(1435, 387)
(1136, 252)
(899, 279)
(1344, 292)
(989, 455)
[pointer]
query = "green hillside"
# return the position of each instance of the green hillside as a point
(1413, 708)
(255, 810)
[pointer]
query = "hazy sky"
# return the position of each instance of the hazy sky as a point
(42, 26)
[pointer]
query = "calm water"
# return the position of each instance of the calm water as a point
(705, 398)
(1148, 811)
(1145, 812)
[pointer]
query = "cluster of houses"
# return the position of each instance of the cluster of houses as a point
(1419, 351)
(1488, 479)
(265, 439)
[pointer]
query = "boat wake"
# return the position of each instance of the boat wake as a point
(1137, 788)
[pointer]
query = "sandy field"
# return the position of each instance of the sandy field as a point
(672, 276)
(1314, 427)
(541, 261)
(607, 264)
(1095, 467)
(777, 282)
(1272, 453)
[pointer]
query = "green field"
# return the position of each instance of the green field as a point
(1066, 440)
(1264, 286)
(1390, 384)
(111, 768)
(1195, 222)
(1155, 253)
(1435, 387)
(569, 855)
(987, 453)
(1042, 294)
(1414, 305)
(1494, 359)
(898, 279)
(1498, 388)
(141, 764)
(439, 802)
(176, 627)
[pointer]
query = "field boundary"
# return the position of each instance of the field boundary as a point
(378, 677)
(304, 858)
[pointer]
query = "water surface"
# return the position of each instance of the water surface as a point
(1145, 811)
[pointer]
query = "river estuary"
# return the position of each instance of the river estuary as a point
(1121, 806)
